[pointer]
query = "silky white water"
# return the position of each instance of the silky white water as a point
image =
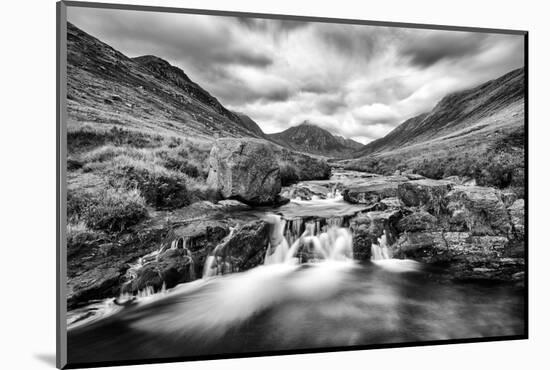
(308, 293)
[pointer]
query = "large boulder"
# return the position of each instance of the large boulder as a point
(245, 169)
(427, 194)
(477, 209)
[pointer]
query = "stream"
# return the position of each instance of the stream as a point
(291, 304)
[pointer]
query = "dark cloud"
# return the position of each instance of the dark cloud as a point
(349, 39)
(358, 81)
(435, 46)
(268, 25)
(330, 104)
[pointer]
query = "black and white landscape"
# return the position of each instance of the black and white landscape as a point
(240, 185)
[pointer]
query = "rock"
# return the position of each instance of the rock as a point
(174, 266)
(201, 237)
(370, 194)
(427, 194)
(427, 247)
(391, 203)
(96, 269)
(417, 221)
(454, 179)
(308, 190)
(517, 217)
(93, 284)
(368, 227)
(463, 255)
(508, 197)
(477, 209)
(246, 170)
(414, 176)
(243, 249)
(370, 191)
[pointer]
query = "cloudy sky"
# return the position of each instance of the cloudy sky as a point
(354, 80)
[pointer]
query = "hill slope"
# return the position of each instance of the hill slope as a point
(453, 113)
(104, 84)
(349, 143)
(476, 133)
(312, 139)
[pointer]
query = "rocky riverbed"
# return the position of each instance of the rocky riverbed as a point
(464, 232)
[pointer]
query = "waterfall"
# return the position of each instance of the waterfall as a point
(381, 256)
(215, 263)
(134, 268)
(334, 193)
(328, 243)
(380, 251)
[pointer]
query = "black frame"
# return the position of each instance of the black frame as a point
(61, 191)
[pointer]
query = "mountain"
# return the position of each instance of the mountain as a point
(454, 113)
(349, 143)
(251, 125)
(143, 92)
(312, 139)
(477, 133)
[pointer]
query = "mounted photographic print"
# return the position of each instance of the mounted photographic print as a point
(235, 184)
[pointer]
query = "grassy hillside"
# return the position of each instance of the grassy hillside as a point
(139, 134)
(478, 133)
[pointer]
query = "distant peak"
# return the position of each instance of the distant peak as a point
(148, 59)
(307, 123)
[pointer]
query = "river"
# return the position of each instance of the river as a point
(291, 304)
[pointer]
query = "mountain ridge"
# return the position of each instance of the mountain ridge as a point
(476, 134)
(310, 138)
(452, 111)
(105, 81)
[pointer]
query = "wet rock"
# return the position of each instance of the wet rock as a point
(417, 221)
(97, 269)
(246, 170)
(427, 247)
(201, 237)
(244, 248)
(427, 194)
(93, 284)
(368, 227)
(370, 191)
(309, 190)
(454, 179)
(461, 255)
(392, 203)
(517, 217)
(477, 209)
(508, 197)
(414, 176)
(171, 268)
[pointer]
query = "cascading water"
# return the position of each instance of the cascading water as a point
(215, 264)
(331, 244)
(153, 257)
(380, 251)
(381, 256)
(309, 293)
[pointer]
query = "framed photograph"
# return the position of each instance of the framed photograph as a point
(234, 184)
